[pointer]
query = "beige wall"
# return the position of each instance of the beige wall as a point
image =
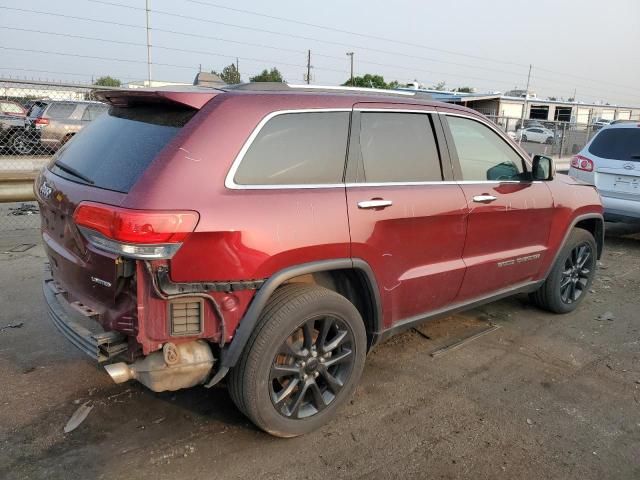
(513, 110)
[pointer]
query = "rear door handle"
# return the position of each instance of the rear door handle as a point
(484, 198)
(375, 204)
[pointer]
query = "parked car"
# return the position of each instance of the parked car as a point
(598, 123)
(535, 134)
(274, 237)
(611, 162)
(52, 123)
(12, 122)
(529, 124)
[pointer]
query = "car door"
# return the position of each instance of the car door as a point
(509, 215)
(404, 220)
(535, 135)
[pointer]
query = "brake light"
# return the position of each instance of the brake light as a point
(135, 233)
(41, 121)
(582, 163)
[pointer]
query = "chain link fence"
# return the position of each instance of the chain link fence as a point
(36, 119)
(558, 139)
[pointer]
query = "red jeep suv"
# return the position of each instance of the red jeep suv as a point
(273, 234)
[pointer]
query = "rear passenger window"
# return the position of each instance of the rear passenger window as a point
(297, 149)
(482, 154)
(61, 110)
(398, 147)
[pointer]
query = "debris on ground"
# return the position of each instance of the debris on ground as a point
(159, 420)
(12, 325)
(606, 316)
(25, 209)
(529, 421)
(78, 417)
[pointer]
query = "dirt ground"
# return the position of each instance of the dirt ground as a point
(543, 396)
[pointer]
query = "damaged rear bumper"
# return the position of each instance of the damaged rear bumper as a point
(98, 344)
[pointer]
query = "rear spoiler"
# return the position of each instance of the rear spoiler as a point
(193, 97)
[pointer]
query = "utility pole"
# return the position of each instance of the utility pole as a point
(350, 54)
(308, 67)
(524, 106)
(575, 100)
(148, 43)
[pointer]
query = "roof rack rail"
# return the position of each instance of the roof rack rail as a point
(283, 87)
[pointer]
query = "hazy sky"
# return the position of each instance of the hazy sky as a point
(592, 46)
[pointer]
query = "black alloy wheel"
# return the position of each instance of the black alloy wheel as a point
(576, 273)
(311, 367)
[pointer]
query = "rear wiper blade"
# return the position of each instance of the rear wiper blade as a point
(73, 171)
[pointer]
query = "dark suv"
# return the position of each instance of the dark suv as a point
(273, 235)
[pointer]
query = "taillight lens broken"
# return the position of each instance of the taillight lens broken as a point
(135, 233)
(582, 163)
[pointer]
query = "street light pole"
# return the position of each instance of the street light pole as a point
(524, 106)
(148, 43)
(350, 54)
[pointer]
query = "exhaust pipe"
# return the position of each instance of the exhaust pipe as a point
(175, 367)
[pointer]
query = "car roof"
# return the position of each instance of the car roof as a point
(629, 124)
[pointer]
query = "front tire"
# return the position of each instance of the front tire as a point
(302, 362)
(571, 275)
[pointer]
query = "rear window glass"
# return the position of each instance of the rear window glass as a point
(116, 148)
(617, 144)
(297, 149)
(36, 110)
(60, 110)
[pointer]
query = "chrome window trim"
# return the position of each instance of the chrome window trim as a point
(392, 110)
(229, 181)
(500, 133)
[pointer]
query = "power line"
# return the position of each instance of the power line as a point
(282, 49)
(387, 52)
(383, 39)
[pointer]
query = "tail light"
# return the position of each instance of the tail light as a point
(41, 121)
(139, 234)
(582, 163)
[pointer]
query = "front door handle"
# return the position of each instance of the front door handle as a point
(484, 198)
(375, 204)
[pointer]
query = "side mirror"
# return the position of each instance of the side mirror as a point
(542, 168)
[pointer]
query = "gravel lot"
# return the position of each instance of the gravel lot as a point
(543, 396)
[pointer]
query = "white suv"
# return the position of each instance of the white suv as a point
(611, 162)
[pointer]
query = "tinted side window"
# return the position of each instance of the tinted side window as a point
(297, 149)
(398, 147)
(482, 154)
(60, 110)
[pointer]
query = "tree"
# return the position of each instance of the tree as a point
(272, 75)
(571, 99)
(439, 86)
(553, 99)
(371, 81)
(230, 74)
(463, 89)
(107, 81)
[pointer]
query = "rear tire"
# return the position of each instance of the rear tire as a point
(571, 275)
(524, 138)
(302, 362)
(20, 144)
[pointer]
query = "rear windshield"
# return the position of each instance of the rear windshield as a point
(115, 149)
(617, 144)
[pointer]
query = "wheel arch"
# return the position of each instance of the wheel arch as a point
(593, 223)
(352, 278)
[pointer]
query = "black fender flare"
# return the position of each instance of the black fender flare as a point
(231, 355)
